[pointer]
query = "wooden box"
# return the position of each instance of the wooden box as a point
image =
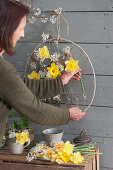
(19, 162)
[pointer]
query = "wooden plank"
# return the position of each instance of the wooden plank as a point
(84, 27)
(97, 159)
(93, 164)
(74, 5)
(20, 161)
(6, 156)
(17, 166)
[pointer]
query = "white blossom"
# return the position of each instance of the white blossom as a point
(53, 19)
(42, 74)
(30, 157)
(67, 50)
(42, 60)
(49, 74)
(37, 54)
(29, 4)
(33, 65)
(12, 134)
(37, 11)
(32, 20)
(43, 18)
(56, 97)
(60, 67)
(58, 10)
(38, 149)
(45, 37)
(55, 57)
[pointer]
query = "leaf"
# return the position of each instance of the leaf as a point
(12, 112)
(15, 125)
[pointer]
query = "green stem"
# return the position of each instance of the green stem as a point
(82, 86)
(94, 153)
(84, 150)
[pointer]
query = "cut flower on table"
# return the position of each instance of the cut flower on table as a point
(61, 152)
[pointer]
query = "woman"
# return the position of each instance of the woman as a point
(13, 91)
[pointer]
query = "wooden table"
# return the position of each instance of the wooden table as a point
(19, 162)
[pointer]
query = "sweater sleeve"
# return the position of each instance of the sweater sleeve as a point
(17, 95)
(45, 88)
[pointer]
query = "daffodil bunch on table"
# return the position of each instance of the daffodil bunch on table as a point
(60, 152)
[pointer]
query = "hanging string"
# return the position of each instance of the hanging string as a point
(58, 25)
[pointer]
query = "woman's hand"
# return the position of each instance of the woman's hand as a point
(66, 76)
(76, 113)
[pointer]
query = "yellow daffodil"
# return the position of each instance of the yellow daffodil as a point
(72, 65)
(53, 71)
(64, 156)
(59, 145)
(22, 137)
(68, 148)
(44, 52)
(77, 158)
(48, 153)
(34, 75)
(59, 159)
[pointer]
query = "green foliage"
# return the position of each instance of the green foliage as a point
(11, 113)
(21, 124)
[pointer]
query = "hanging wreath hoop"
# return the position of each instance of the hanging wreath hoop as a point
(50, 40)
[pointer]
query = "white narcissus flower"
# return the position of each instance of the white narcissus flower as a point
(12, 134)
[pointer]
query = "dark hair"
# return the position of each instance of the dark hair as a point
(11, 13)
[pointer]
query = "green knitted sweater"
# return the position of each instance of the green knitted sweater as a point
(14, 93)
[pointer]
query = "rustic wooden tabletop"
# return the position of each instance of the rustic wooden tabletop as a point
(17, 162)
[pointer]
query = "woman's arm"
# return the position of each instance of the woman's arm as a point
(17, 95)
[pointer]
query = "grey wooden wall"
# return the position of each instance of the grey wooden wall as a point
(91, 26)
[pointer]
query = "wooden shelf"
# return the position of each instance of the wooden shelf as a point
(19, 162)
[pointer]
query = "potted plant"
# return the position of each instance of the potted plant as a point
(21, 125)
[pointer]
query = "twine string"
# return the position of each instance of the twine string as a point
(58, 25)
